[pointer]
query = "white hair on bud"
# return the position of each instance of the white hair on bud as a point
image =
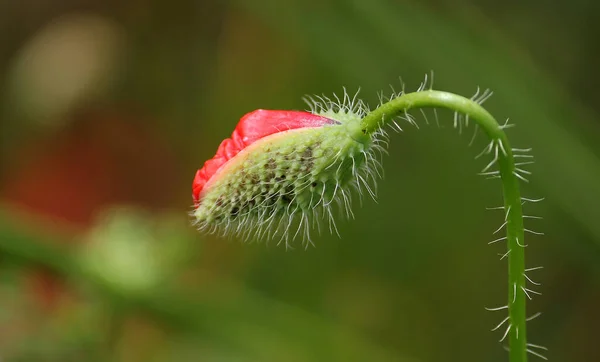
(285, 185)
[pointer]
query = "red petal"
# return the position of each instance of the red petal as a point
(252, 127)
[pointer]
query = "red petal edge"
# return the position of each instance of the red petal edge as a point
(252, 127)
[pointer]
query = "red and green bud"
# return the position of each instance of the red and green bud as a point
(280, 171)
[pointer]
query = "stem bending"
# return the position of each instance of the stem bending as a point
(503, 155)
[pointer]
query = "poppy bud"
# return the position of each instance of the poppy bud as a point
(281, 170)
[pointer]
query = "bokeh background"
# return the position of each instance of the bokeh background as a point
(108, 108)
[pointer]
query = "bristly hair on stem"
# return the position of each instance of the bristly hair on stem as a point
(507, 165)
(283, 184)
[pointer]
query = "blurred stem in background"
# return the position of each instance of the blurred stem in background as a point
(212, 317)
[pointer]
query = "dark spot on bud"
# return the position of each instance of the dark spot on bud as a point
(271, 164)
(307, 154)
(270, 200)
(288, 195)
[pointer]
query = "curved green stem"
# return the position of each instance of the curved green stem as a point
(502, 152)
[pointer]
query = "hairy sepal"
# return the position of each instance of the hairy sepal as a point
(285, 184)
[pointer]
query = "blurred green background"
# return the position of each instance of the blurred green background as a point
(108, 108)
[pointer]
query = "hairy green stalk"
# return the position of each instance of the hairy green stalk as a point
(508, 172)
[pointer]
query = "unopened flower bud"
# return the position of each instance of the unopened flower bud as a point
(280, 171)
